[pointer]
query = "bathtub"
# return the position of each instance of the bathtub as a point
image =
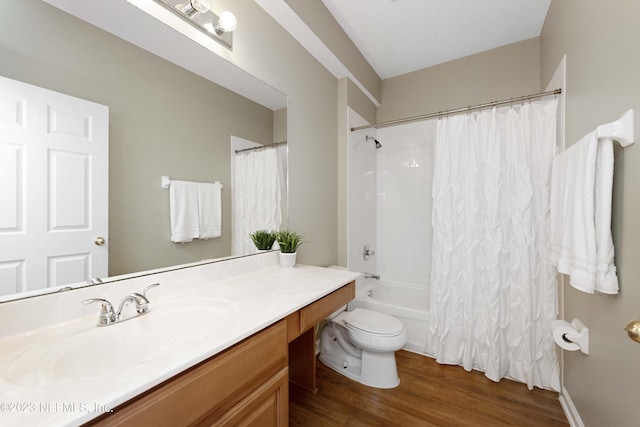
(409, 304)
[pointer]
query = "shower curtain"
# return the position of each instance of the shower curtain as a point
(493, 295)
(257, 196)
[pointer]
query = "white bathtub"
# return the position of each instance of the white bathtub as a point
(410, 304)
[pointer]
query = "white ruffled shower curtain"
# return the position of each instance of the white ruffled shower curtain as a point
(492, 293)
(257, 196)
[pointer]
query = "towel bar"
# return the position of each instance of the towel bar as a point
(620, 130)
(165, 182)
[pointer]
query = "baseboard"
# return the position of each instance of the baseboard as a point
(569, 409)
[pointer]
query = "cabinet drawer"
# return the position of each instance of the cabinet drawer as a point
(211, 388)
(267, 406)
(315, 312)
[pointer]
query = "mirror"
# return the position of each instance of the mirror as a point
(163, 119)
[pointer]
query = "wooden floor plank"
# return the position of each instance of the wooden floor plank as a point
(429, 394)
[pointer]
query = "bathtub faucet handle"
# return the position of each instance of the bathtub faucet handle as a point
(367, 252)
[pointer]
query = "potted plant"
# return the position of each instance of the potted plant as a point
(289, 242)
(263, 239)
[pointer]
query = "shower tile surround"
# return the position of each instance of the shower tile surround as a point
(361, 217)
(262, 291)
(389, 205)
(403, 203)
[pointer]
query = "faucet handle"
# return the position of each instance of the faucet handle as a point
(142, 303)
(107, 314)
(144, 292)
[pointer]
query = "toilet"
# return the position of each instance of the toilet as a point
(361, 345)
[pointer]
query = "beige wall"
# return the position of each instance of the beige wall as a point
(280, 125)
(266, 50)
(323, 24)
(343, 171)
(164, 120)
(359, 102)
(263, 48)
(502, 73)
(349, 96)
(600, 40)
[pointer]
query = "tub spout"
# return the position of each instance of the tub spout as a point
(371, 276)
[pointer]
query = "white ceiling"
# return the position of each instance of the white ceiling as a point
(400, 36)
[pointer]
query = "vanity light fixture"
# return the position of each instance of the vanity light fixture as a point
(198, 14)
(191, 7)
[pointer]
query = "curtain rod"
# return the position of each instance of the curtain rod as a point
(262, 147)
(458, 110)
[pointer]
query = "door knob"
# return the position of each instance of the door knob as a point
(633, 330)
(99, 241)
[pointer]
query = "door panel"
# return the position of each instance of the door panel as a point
(53, 188)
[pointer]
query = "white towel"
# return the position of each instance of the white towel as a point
(210, 210)
(582, 178)
(183, 211)
(606, 279)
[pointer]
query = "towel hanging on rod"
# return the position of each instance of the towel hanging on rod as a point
(165, 182)
(580, 207)
(195, 209)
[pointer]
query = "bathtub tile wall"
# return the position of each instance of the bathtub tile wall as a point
(404, 179)
(361, 216)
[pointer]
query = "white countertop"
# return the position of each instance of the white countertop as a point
(63, 385)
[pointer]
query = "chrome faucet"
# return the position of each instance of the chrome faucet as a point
(142, 305)
(109, 316)
(371, 276)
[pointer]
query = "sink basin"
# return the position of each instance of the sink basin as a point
(167, 330)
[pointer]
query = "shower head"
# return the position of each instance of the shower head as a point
(378, 145)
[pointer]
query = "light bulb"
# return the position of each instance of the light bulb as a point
(226, 23)
(201, 6)
(196, 6)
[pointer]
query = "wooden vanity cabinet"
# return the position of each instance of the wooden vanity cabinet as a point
(245, 385)
(302, 335)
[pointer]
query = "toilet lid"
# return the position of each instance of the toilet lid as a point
(373, 322)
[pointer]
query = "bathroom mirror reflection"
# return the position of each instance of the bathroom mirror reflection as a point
(163, 121)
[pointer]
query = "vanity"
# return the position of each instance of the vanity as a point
(218, 347)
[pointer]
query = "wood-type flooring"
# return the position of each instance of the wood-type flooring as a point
(429, 394)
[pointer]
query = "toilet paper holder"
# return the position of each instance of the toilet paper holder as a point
(580, 337)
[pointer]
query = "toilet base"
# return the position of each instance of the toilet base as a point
(372, 369)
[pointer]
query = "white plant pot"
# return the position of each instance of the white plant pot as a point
(287, 259)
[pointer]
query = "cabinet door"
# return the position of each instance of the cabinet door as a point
(267, 406)
(212, 389)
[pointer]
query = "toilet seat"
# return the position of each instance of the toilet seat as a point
(373, 322)
(361, 345)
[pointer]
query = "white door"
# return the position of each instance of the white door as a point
(53, 188)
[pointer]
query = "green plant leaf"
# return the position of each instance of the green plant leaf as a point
(263, 239)
(289, 241)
